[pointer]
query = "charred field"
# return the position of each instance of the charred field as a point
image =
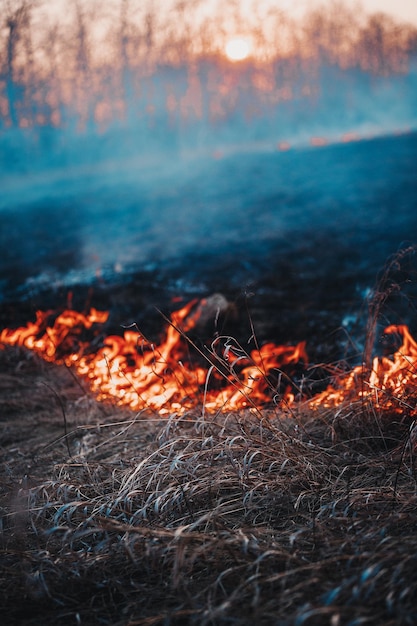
(287, 514)
(292, 513)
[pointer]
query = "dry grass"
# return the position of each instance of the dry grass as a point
(231, 519)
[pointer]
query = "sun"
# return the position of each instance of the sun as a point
(237, 49)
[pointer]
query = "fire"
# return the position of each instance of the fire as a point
(175, 376)
(132, 371)
(389, 385)
(318, 141)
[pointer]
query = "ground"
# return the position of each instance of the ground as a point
(111, 517)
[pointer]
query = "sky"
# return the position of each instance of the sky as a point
(404, 10)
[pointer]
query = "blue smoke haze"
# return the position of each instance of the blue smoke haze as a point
(157, 193)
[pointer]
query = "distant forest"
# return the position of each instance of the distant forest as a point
(133, 77)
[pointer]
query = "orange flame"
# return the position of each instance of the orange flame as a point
(165, 377)
(136, 373)
(318, 141)
(388, 385)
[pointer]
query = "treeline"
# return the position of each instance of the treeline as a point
(96, 66)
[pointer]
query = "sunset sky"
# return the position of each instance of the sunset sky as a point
(228, 19)
(401, 9)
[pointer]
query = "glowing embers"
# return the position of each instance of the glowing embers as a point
(171, 376)
(391, 383)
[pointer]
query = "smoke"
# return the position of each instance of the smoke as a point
(281, 171)
(126, 84)
(337, 104)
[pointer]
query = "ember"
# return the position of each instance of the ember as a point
(175, 375)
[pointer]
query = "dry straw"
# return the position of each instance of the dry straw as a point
(237, 520)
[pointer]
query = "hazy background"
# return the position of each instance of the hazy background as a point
(92, 82)
(131, 146)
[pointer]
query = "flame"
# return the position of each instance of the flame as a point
(318, 141)
(350, 137)
(136, 373)
(389, 384)
(172, 376)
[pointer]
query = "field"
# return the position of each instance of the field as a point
(283, 514)
(288, 517)
(301, 511)
(208, 363)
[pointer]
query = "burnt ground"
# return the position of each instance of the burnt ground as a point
(295, 241)
(130, 519)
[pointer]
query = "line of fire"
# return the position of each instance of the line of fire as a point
(175, 376)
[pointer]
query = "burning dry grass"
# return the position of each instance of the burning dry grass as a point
(303, 519)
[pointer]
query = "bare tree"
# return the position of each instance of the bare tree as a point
(16, 20)
(82, 79)
(381, 46)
